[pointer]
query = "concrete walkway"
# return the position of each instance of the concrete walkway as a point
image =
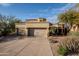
(26, 47)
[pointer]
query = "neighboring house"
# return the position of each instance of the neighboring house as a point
(75, 28)
(33, 27)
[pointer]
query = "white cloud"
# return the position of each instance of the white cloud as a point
(68, 6)
(64, 8)
(53, 19)
(5, 4)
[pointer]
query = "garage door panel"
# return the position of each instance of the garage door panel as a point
(40, 32)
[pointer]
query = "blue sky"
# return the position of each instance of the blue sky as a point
(31, 10)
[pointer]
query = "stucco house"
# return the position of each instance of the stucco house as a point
(33, 27)
(75, 28)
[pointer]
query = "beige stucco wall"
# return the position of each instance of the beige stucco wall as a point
(76, 29)
(20, 25)
(37, 25)
(32, 25)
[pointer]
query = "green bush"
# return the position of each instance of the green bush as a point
(69, 46)
(52, 31)
(6, 31)
(62, 50)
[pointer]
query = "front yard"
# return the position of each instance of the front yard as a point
(64, 45)
(54, 44)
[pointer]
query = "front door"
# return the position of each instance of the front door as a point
(30, 32)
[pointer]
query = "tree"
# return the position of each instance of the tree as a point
(7, 24)
(71, 17)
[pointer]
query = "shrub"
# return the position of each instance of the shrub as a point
(62, 50)
(6, 31)
(52, 31)
(69, 46)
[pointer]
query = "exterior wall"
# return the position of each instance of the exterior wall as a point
(22, 31)
(20, 25)
(37, 25)
(33, 25)
(21, 28)
(75, 29)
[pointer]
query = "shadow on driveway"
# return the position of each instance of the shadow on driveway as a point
(10, 38)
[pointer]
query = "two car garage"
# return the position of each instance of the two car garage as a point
(37, 32)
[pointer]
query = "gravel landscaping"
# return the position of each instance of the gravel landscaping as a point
(55, 43)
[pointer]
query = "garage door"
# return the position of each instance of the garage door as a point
(30, 32)
(40, 32)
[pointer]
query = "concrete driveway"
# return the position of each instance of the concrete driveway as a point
(28, 46)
